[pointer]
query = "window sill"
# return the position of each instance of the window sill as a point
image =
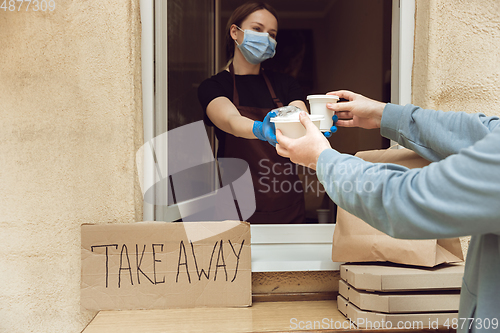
(289, 248)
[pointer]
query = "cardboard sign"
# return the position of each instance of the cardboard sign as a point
(158, 265)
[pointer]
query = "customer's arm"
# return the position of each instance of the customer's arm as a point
(456, 196)
(432, 134)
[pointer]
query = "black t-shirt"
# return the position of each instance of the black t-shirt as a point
(275, 202)
(252, 90)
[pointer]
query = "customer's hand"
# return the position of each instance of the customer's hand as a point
(359, 111)
(306, 149)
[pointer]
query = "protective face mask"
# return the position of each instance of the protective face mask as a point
(256, 46)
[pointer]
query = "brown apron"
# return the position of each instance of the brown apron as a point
(278, 190)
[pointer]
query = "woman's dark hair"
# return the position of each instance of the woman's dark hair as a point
(238, 16)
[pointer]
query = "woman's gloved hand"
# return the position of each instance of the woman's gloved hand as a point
(265, 130)
(333, 129)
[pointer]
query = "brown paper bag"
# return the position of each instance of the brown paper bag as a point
(356, 241)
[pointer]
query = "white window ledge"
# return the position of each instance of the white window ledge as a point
(296, 247)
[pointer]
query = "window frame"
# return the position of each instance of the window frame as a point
(304, 247)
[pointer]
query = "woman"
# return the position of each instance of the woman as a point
(238, 101)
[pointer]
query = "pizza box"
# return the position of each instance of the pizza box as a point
(399, 302)
(392, 277)
(387, 321)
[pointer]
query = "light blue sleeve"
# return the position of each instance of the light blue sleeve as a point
(456, 196)
(432, 134)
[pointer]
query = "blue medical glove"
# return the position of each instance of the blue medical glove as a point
(265, 130)
(333, 129)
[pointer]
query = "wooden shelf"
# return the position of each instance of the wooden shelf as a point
(261, 317)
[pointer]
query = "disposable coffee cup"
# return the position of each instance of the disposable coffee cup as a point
(291, 126)
(317, 104)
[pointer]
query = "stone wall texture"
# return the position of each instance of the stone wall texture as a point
(71, 121)
(457, 58)
(457, 55)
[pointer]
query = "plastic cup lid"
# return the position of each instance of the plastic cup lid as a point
(329, 97)
(295, 119)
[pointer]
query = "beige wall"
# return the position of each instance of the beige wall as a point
(71, 121)
(457, 55)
